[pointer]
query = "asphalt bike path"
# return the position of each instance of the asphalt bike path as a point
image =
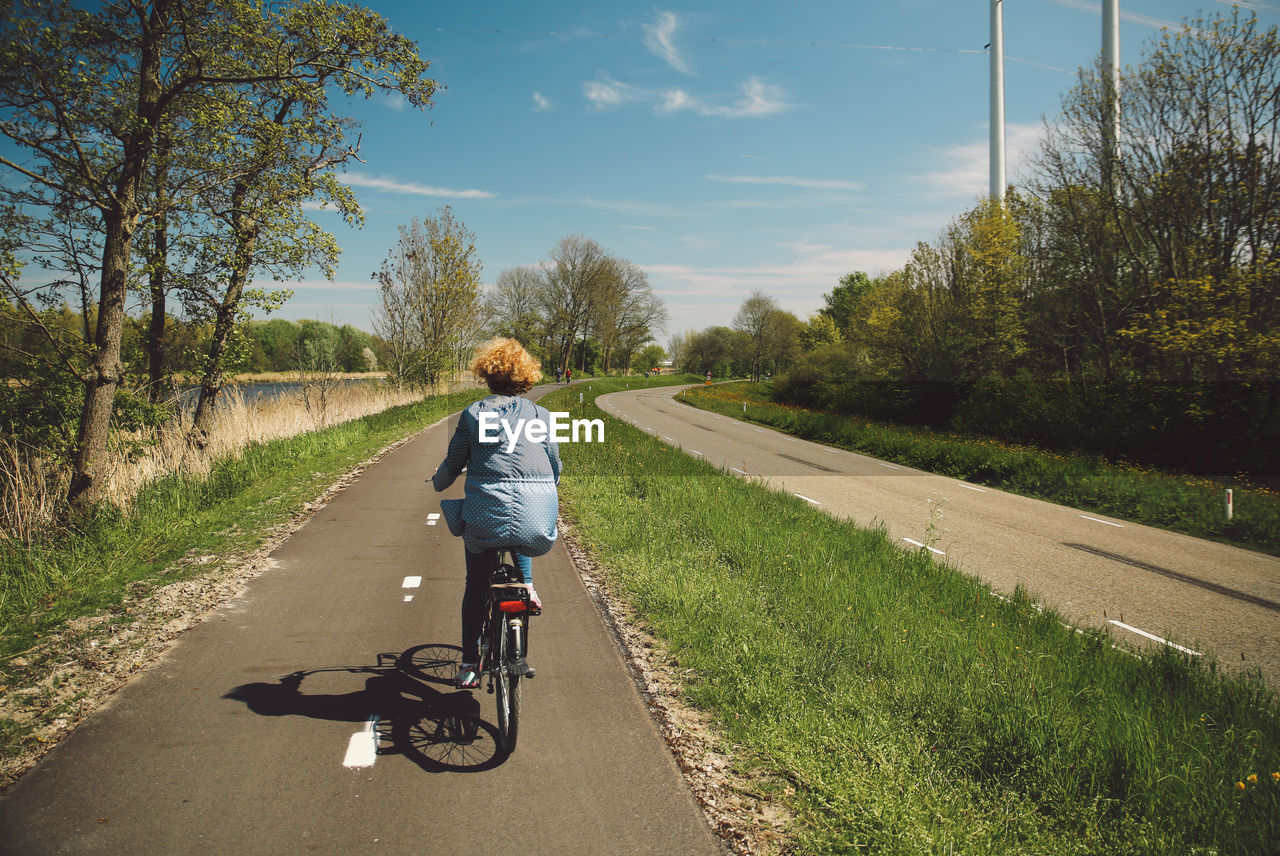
(316, 714)
(1146, 585)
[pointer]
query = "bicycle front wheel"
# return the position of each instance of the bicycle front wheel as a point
(507, 645)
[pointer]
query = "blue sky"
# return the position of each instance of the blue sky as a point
(721, 145)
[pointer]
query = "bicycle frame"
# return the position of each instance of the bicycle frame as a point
(504, 647)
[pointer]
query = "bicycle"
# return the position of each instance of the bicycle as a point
(504, 646)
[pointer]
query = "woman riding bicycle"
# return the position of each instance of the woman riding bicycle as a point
(511, 500)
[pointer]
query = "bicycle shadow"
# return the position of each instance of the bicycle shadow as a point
(438, 731)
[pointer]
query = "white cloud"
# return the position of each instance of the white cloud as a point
(814, 270)
(391, 185)
(1095, 8)
(605, 92)
(541, 102)
(758, 99)
(676, 99)
(966, 167)
(1252, 5)
(789, 181)
(658, 38)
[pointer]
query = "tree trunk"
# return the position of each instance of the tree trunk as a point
(245, 231)
(157, 284)
(118, 223)
(105, 369)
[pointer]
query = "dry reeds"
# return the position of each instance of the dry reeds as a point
(33, 485)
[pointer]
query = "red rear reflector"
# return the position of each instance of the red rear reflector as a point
(512, 605)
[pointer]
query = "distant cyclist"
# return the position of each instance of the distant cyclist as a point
(511, 500)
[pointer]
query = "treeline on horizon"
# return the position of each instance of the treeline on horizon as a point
(1124, 302)
(270, 345)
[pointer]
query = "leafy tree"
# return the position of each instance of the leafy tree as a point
(819, 330)
(574, 282)
(86, 95)
(430, 291)
(844, 301)
(756, 318)
(649, 357)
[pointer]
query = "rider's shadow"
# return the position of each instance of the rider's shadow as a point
(439, 731)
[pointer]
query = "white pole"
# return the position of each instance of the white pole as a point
(997, 100)
(1111, 71)
(1230, 510)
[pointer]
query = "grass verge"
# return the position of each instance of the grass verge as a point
(1194, 506)
(911, 710)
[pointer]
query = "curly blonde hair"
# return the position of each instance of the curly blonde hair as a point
(506, 367)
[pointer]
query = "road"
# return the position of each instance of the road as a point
(315, 714)
(1145, 584)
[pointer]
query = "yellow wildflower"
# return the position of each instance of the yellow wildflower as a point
(1239, 786)
(1253, 779)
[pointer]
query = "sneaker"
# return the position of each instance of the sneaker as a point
(468, 676)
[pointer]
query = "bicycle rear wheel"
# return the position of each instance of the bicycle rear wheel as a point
(506, 647)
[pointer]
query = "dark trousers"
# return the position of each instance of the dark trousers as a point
(476, 596)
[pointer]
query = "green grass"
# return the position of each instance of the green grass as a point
(1195, 506)
(908, 709)
(82, 572)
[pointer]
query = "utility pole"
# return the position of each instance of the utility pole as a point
(997, 100)
(1110, 88)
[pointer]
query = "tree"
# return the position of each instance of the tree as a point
(844, 301)
(650, 357)
(430, 284)
(755, 318)
(85, 96)
(819, 330)
(574, 282)
(626, 314)
(514, 305)
(988, 286)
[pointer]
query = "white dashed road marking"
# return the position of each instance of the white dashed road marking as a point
(362, 749)
(411, 582)
(807, 499)
(1154, 637)
(918, 544)
(1096, 520)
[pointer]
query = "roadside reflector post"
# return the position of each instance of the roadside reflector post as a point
(579, 398)
(744, 407)
(1230, 511)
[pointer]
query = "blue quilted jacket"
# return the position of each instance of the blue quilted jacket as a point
(511, 498)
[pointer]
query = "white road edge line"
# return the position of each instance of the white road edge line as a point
(1154, 637)
(971, 487)
(807, 499)
(411, 582)
(736, 470)
(695, 452)
(918, 544)
(1096, 520)
(891, 466)
(362, 748)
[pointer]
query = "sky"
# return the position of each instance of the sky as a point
(723, 146)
